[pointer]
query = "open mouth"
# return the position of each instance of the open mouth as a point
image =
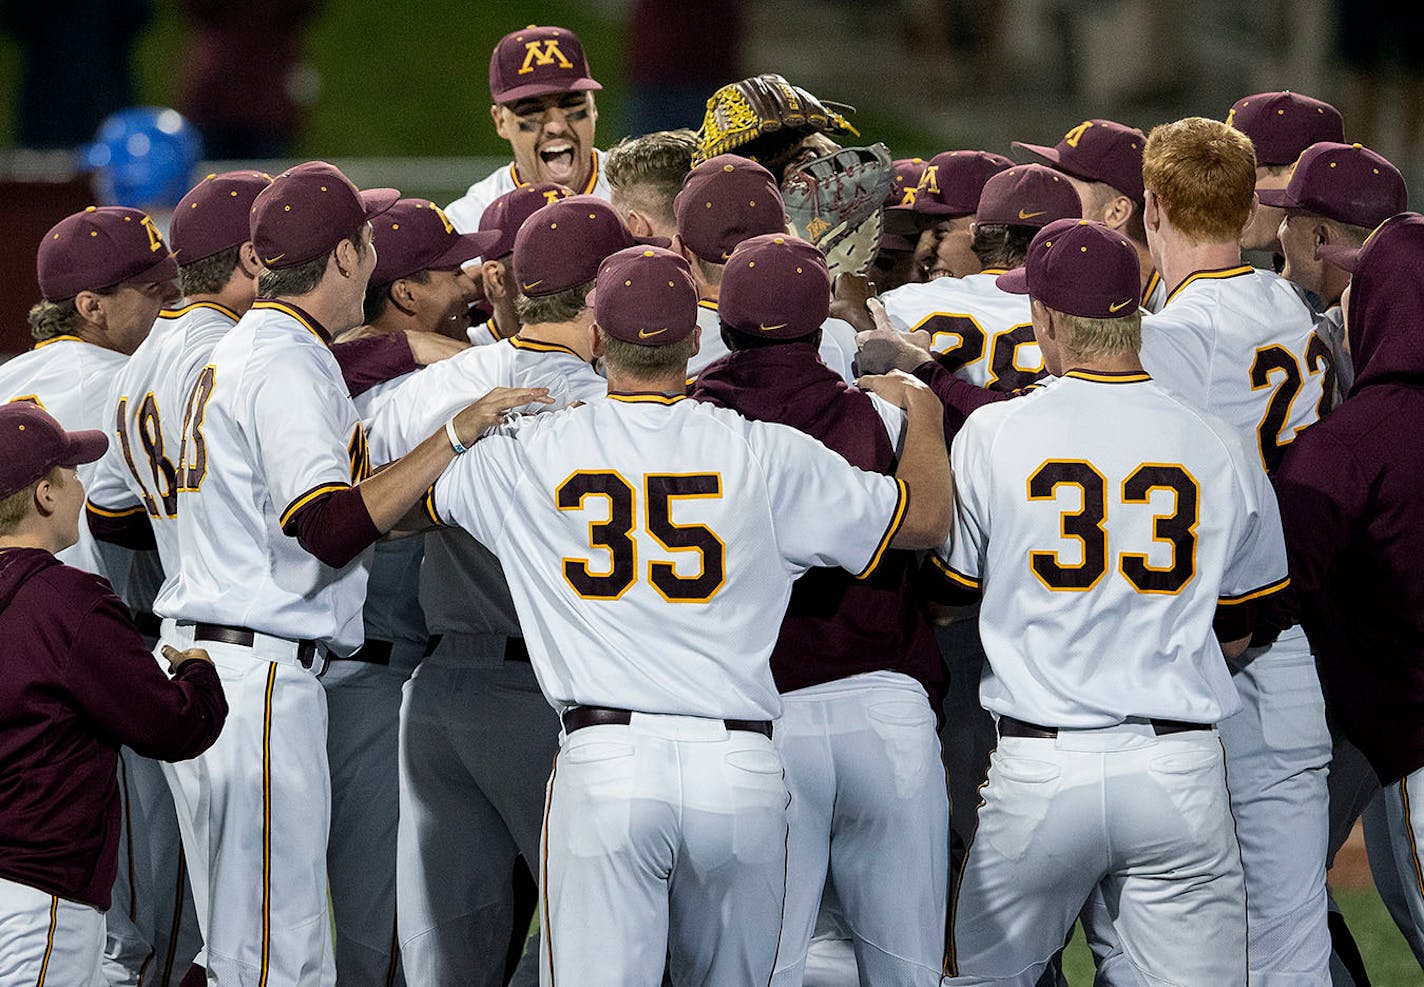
(557, 158)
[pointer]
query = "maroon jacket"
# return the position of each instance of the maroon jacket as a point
(76, 682)
(835, 625)
(1351, 492)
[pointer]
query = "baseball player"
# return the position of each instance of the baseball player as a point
(1103, 160)
(77, 682)
(898, 260)
(505, 215)
(1281, 125)
(644, 176)
(1337, 194)
(1350, 510)
(856, 663)
(276, 512)
(1102, 516)
(630, 567)
(542, 103)
(946, 198)
(981, 332)
(1239, 343)
(476, 734)
(723, 201)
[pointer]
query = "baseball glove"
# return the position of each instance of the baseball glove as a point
(835, 202)
(742, 112)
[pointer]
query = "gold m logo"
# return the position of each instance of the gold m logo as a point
(543, 53)
(444, 219)
(1076, 134)
(929, 181)
(1231, 117)
(155, 238)
(552, 195)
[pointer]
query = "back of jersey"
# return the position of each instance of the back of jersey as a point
(1241, 344)
(982, 333)
(650, 544)
(1105, 520)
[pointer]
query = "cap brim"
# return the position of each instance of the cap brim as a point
(1277, 197)
(166, 269)
(83, 447)
(1342, 255)
(470, 246)
(1049, 154)
(895, 243)
(1015, 282)
(377, 200)
(653, 241)
(545, 89)
(929, 207)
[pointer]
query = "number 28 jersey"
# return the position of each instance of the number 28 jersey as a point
(1104, 521)
(650, 545)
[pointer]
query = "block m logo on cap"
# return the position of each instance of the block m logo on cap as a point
(543, 53)
(1076, 134)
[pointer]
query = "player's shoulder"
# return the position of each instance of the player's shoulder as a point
(918, 294)
(465, 212)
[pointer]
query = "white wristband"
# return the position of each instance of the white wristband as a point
(454, 439)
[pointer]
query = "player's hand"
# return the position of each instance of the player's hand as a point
(887, 348)
(431, 347)
(848, 298)
(490, 410)
(897, 387)
(177, 659)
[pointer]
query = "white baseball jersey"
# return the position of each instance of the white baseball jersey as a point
(71, 379)
(146, 414)
(484, 334)
(1154, 295)
(655, 542)
(428, 398)
(1241, 344)
(837, 344)
(983, 333)
(272, 428)
(1104, 520)
(465, 212)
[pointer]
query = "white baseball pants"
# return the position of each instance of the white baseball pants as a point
(664, 841)
(47, 940)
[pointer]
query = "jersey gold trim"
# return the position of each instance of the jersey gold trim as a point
(539, 346)
(58, 339)
(430, 511)
(94, 508)
(173, 313)
(648, 398)
(1255, 594)
(1230, 272)
(897, 518)
(953, 574)
(49, 939)
(293, 313)
(1097, 377)
(306, 499)
(1153, 281)
(587, 189)
(267, 824)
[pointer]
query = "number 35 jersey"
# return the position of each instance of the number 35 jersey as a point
(982, 333)
(1103, 521)
(650, 545)
(1241, 344)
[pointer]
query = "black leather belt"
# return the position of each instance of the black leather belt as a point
(514, 648)
(244, 637)
(1010, 727)
(372, 653)
(578, 717)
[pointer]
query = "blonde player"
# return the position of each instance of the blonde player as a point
(652, 532)
(984, 334)
(1240, 343)
(1106, 525)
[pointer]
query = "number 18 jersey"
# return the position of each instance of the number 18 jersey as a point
(1103, 521)
(650, 545)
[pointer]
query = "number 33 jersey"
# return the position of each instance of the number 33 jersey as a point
(1104, 521)
(650, 545)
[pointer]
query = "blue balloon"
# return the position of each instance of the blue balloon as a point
(143, 157)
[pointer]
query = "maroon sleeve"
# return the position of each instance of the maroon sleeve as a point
(116, 681)
(959, 397)
(334, 527)
(373, 360)
(131, 529)
(1321, 500)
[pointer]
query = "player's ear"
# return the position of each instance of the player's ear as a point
(696, 341)
(597, 342)
(402, 295)
(247, 260)
(498, 118)
(1255, 205)
(1119, 211)
(1151, 211)
(637, 223)
(492, 275)
(90, 305)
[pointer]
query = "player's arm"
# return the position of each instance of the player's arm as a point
(924, 461)
(112, 509)
(370, 360)
(1256, 575)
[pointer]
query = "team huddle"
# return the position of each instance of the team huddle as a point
(919, 557)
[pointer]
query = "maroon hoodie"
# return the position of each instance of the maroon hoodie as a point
(76, 682)
(835, 625)
(1351, 491)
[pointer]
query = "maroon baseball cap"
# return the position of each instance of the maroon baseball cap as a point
(1098, 151)
(538, 61)
(723, 201)
(101, 247)
(953, 180)
(1027, 195)
(415, 235)
(1079, 267)
(32, 443)
(562, 244)
(645, 295)
(1282, 125)
(1344, 182)
(775, 283)
(307, 210)
(908, 172)
(507, 213)
(215, 214)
